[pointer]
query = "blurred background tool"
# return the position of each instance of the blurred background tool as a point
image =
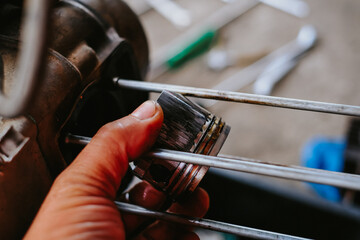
(280, 66)
(173, 12)
(272, 74)
(339, 154)
(200, 37)
(271, 68)
(196, 40)
(298, 8)
(325, 153)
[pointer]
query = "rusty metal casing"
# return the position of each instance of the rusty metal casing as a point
(91, 42)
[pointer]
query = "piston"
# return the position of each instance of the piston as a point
(186, 127)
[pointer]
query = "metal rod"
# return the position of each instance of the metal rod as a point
(337, 179)
(298, 104)
(203, 223)
(78, 140)
(343, 180)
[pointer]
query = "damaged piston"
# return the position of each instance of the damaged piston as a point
(186, 127)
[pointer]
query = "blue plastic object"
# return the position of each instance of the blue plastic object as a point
(327, 154)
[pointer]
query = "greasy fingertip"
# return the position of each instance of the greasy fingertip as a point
(187, 235)
(161, 230)
(195, 205)
(143, 194)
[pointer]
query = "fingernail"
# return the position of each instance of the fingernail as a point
(145, 195)
(145, 110)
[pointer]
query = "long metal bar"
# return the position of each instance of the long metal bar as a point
(343, 180)
(172, 11)
(337, 179)
(203, 223)
(280, 102)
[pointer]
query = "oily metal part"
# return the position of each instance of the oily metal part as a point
(204, 223)
(31, 58)
(343, 180)
(128, 26)
(280, 102)
(186, 127)
(89, 46)
(31, 183)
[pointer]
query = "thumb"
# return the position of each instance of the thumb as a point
(101, 165)
(80, 202)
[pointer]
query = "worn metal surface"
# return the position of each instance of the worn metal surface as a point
(243, 97)
(186, 127)
(204, 223)
(127, 25)
(88, 46)
(24, 177)
(29, 67)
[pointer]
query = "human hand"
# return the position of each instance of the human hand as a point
(80, 203)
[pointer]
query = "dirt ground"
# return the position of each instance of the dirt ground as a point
(329, 73)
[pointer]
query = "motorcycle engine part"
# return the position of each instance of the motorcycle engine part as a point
(186, 127)
(29, 73)
(92, 41)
